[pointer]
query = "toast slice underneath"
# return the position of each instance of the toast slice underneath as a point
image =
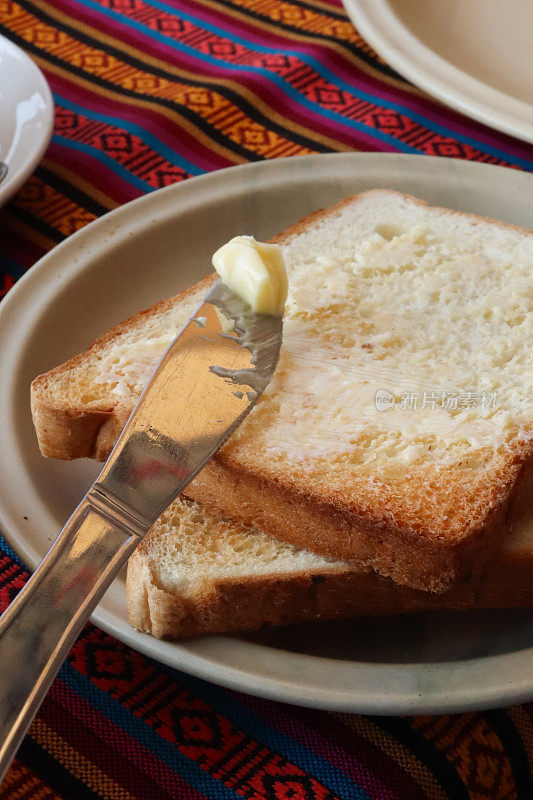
(400, 415)
(196, 573)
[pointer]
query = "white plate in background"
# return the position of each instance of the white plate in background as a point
(474, 55)
(26, 116)
(152, 248)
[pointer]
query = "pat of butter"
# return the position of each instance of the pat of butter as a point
(256, 272)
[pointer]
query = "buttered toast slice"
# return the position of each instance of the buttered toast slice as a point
(196, 573)
(400, 416)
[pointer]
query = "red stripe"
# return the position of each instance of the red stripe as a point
(97, 173)
(377, 773)
(197, 729)
(127, 149)
(110, 748)
(350, 71)
(334, 61)
(166, 130)
(268, 93)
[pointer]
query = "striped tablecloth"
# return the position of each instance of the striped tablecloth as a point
(147, 93)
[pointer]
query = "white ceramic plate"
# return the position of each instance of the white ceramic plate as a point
(474, 55)
(26, 116)
(152, 248)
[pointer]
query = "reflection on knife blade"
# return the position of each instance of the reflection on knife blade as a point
(184, 415)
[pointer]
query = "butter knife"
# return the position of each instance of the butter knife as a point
(202, 389)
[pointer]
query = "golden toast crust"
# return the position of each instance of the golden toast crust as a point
(424, 530)
(248, 602)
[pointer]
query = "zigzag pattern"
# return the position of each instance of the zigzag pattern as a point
(147, 95)
(201, 734)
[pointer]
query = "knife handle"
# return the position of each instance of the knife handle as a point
(40, 626)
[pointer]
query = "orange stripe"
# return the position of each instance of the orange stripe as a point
(274, 11)
(120, 73)
(76, 180)
(327, 8)
(26, 231)
(52, 207)
(79, 766)
(20, 783)
(475, 750)
(306, 19)
(395, 750)
(171, 114)
(204, 102)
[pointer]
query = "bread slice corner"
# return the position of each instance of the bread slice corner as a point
(79, 408)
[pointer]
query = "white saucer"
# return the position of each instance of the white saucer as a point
(153, 247)
(474, 55)
(26, 116)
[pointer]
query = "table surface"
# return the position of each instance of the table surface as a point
(148, 93)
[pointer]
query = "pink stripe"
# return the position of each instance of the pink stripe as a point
(114, 748)
(98, 174)
(349, 71)
(260, 85)
(366, 764)
(166, 130)
(330, 58)
(263, 87)
(447, 117)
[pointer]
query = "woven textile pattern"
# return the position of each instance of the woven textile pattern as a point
(149, 93)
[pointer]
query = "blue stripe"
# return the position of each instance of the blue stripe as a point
(146, 735)
(280, 82)
(155, 144)
(339, 82)
(222, 701)
(319, 68)
(5, 548)
(11, 267)
(230, 706)
(109, 162)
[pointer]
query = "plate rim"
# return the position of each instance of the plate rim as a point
(383, 29)
(12, 183)
(438, 701)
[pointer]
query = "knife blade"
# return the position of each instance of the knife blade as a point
(204, 386)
